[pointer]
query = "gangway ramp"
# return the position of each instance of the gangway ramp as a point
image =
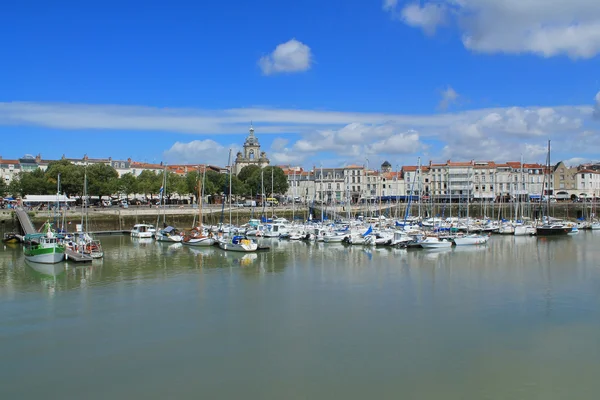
(24, 220)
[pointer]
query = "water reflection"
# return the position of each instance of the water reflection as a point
(350, 321)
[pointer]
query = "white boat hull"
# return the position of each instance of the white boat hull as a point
(142, 235)
(471, 240)
(240, 247)
(168, 238)
(205, 241)
(47, 258)
(439, 245)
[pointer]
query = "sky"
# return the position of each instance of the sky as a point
(329, 83)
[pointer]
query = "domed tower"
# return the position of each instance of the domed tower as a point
(386, 167)
(251, 154)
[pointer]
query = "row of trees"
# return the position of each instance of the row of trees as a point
(103, 180)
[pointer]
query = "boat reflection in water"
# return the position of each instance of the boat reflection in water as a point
(48, 270)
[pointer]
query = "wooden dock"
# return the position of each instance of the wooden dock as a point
(77, 257)
(108, 233)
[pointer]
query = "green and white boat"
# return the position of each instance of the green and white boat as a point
(43, 248)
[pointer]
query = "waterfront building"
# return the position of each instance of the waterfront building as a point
(565, 181)
(251, 154)
(588, 183)
(9, 169)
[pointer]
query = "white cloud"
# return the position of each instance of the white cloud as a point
(291, 56)
(389, 4)
(399, 143)
(544, 27)
(428, 17)
(575, 161)
(449, 97)
(492, 133)
(597, 106)
(279, 144)
(199, 151)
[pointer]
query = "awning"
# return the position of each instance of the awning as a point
(43, 198)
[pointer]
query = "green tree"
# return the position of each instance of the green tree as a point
(34, 182)
(71, 176)
(3, 187)
(102, 180)
(14, 187)
(127, 184)
(247, 172)
(238, 187)
(176, 184)
(278, 182)
(149, 183)
(214, 183)
(192, 182)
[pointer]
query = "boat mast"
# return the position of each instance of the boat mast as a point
(201, 198)
(294, 197)
(419, 184)
(322, 198)
(230, 174)
(262, 189)
(272, 194)
(548, 172)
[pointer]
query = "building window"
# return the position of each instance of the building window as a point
(338, 186)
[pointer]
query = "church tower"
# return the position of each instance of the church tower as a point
(251, 154)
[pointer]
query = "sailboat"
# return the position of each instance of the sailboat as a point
(470, 239)
(84, 242)
(168, 233)
(197, 236)
(548, 228)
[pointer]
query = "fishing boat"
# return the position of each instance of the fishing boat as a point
(43, 248)
(238, 243)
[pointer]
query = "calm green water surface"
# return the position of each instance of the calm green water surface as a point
(517, 319)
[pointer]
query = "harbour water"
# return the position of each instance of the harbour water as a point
(516, 319)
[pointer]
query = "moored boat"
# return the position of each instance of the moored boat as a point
(238, 243)
(198, 238)
(11, 237)
(168, 234)
(43, 248)
(143, 231)
(473, 239)
(433, 242)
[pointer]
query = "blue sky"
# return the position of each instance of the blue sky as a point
(324, 82)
